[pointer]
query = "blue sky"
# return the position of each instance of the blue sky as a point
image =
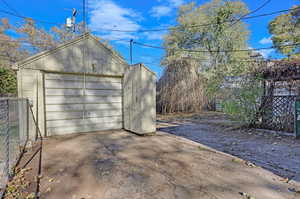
(137, 15)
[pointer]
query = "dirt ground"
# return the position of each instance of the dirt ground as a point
(277, 152)
(119, 164)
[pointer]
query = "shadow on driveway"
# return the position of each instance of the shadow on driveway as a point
(118, 165)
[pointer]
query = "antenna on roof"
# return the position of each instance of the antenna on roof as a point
(84, 15)
(70, 22)
(131, 42)
(74, 12)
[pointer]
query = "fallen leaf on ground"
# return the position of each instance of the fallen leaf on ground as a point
(48, 189)
(250, 164)
(51, 180)
(286, 180)
(294, 190)
(246, 195)
(236, 160)
(31, 196)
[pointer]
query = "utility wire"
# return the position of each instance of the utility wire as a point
(255, 10)
(28, 42)
(14, 41)
(10, 7)
(152, 30)
(200, 25)
(25, 17)
(207, 60)
(217, 51)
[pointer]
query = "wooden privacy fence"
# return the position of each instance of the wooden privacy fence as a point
(278, 113)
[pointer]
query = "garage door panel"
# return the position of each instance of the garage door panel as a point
(82, 99)
(80, 104)
(64, 84)
(79, 107)
(79, 92)
(68, 115)
(102, 79)
(103, 85)
(64, 107)
(103, 92)
(103, 113)
(114, 106)
(52, 76)
(84, 128)
(87, 85)
(64, 100)
(100, 99)
(87, 121)
(79, 115)
(66, 92)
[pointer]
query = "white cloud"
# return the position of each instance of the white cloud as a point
(154, 35)
(266, 52)
(159, 11)
(266, 40)
(105, 14)
(166, 9)
(174, 3)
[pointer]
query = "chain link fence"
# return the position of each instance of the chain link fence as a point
(13, 135)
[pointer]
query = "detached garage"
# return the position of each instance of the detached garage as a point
(83, 86)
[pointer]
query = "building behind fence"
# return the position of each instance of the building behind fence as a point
(14, 117)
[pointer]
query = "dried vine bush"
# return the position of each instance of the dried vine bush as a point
(180, 89)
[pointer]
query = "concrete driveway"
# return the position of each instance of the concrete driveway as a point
(119, 165)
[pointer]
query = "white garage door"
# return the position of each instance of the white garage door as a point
(77, 103)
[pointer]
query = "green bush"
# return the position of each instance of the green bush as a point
(243, 103)
(8, 81)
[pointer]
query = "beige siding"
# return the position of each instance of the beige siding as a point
(148, 106)
(80, 122)
(85, 128)
(30, 86)
(85, 55)
(139, 100)
(132, 119)
(76, 102)
(102, 61)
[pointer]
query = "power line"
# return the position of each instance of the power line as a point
(255, 10)
(154, 30)
(22, 41)
(25, 17)
(217, 51)
(39, 43)
(10, 7)
(200, 25)
(14, 41)
(84, 15)
(240, 60)
(116, 39)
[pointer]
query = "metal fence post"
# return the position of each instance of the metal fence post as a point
(6, 132)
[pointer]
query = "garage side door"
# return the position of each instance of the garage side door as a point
(77, 103)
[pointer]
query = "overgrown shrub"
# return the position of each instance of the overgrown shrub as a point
(8, 81)
(243, 102)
